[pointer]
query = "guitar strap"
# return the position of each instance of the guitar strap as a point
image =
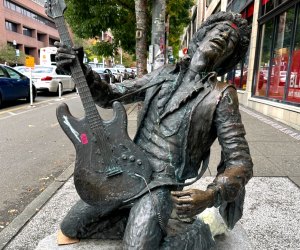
(147, 86)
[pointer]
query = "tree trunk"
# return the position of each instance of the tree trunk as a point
(141, 38)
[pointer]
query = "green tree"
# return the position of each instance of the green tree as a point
(90, 17)
(179, 16)
(8, 55)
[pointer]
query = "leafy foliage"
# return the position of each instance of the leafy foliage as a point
(8, 55)
(89, 18)
(178, 12)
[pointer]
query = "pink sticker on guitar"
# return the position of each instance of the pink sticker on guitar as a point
(84, 139)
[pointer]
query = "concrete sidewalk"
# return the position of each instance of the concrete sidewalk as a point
(272, 209)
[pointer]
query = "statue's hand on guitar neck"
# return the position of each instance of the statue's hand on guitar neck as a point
(65, 56)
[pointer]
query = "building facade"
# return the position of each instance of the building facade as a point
(268, 80)
(24, 24)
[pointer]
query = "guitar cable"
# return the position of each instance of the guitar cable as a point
(155, 205)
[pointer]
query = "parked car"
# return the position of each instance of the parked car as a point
(119, 66)
(106, 75)
(118, 75)
(96, 65)
(123, 72)
(23, 69)
(131, 73)
(14, 85)
(47, 78)
(135, 70)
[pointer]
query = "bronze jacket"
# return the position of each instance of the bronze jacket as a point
(215, 114)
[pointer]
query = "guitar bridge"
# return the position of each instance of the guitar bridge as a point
(112, 171)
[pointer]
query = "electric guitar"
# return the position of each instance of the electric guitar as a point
(109, 168)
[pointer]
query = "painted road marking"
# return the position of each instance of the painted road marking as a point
(27, 108)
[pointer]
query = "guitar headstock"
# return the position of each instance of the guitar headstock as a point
(55, 8)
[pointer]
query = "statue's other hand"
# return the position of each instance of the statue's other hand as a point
(65, 56)
(191, 202)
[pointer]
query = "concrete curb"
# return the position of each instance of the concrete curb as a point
(8, 233)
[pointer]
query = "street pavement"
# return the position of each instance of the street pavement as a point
(271, 212)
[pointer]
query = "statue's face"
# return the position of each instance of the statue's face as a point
(217, 46)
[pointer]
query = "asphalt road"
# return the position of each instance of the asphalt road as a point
(33, 150)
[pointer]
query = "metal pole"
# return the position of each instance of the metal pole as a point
(59, 90)
(158, 32)
(30, 84)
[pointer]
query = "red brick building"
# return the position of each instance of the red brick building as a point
(25, 22)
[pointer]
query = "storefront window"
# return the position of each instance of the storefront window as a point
(238, 5)
(264, 62)
(237, 76)
(282, 1)
(267, 5)
(277, 74)
(283, 38)
(294, 79)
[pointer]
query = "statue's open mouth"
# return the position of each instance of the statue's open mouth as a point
(218, 43)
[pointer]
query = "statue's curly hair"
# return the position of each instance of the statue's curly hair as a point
(242, 46)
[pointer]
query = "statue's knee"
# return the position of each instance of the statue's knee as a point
(70, 228)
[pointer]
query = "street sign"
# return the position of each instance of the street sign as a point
(29, 62)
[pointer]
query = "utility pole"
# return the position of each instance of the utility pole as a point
(158, 45)
(141, 36)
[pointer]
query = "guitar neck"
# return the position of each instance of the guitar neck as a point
(78, 76)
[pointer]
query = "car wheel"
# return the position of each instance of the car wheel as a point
(62, 89)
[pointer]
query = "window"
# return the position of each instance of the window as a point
(51, 41)
(13, 74)
(267, 5)
(280, 54)
(238, 5)
(15, 7)
(11, 26)
(264, 60)
(282, 1)
(294, 77)
(27, 31)
(278, 65)
(2, 73)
